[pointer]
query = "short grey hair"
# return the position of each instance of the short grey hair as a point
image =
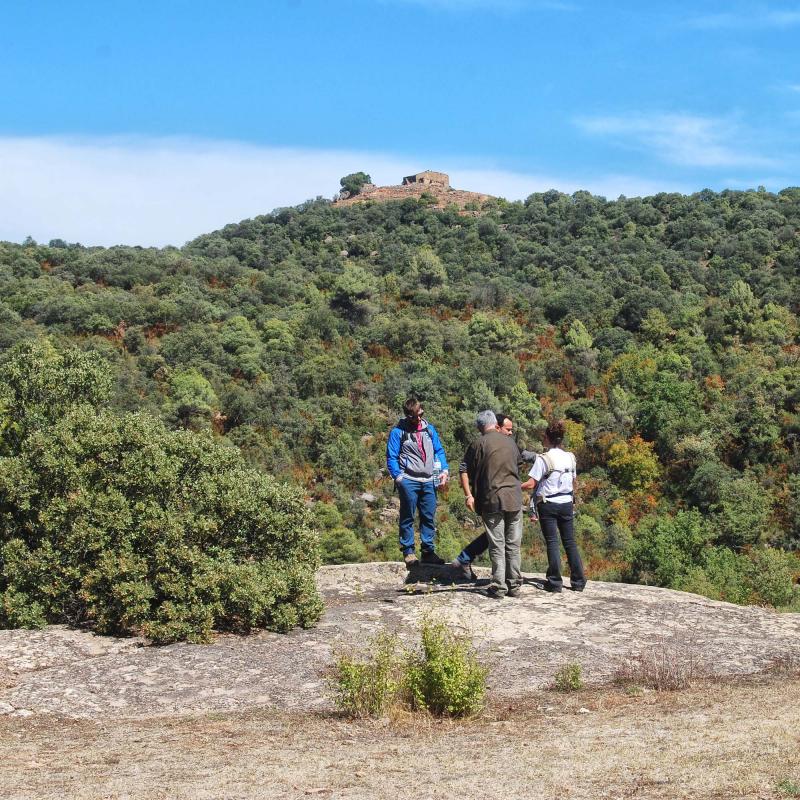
(485, 419)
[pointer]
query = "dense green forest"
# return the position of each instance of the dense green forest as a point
(664, 329)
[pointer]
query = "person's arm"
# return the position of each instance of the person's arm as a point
(393, 453)
(465, 469)
(468, 497)
(438, 454)
(534, 476)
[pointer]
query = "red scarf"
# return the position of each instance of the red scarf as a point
(418, 437)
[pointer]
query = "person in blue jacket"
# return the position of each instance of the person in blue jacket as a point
(416, 461)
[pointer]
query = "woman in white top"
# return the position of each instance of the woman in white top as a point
(553, 477)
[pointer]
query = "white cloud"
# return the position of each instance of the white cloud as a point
(684, 139)
(158, 191)
(167, 191)
(759, 17)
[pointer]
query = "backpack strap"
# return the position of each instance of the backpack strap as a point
(549, 465)
(550, 469)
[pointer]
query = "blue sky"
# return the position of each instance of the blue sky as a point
(151, 122)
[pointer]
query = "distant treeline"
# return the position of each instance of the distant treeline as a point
(664, 329)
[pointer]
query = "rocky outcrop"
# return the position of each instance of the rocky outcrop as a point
(437, 188)
(524, 641)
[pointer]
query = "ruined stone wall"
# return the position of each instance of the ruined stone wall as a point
(428, 178)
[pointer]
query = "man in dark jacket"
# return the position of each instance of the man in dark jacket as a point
(493, 491)
(480, 544)
(416, 461)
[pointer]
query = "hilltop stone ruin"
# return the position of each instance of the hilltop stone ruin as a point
(435, 185)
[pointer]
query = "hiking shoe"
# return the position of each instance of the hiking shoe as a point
(430, 557)
(579, 588)
(463, 571)
(548, 587)
(411, 560)
(496, 592)
(514, 592)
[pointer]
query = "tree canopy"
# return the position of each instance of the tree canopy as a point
(664, 329)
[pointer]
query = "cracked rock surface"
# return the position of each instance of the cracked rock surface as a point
(524, 641)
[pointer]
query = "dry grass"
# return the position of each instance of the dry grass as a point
(787, 664)
(713, 741)
(668, 665)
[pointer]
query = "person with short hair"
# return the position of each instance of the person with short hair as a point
(553, 477)
(493, 491)
(412, 451)
(480, 544)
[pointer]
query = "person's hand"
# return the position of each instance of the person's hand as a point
(470, 500)
(443, 478)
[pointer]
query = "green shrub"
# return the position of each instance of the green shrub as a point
(569, 678)
(342, 546)
(445, 677)
(764, 576)
(369, 685)
(721, 575)
(665, 548)
(771, 574)
(442, 677)
(117, 521)
(789, 788)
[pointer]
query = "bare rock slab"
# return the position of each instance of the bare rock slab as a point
(523, 640)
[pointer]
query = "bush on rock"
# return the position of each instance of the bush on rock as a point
(117, 521)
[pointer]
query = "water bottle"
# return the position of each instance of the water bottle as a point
(437, 473)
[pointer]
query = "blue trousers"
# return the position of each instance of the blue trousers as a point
(416, 496)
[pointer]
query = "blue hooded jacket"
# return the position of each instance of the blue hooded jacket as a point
(403, 456)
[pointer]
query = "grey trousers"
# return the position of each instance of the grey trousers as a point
(504, 531)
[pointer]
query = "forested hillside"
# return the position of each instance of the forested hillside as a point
(664, 329)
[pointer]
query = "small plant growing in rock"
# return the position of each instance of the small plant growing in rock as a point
(442, 677)
(445, 677)
(569, 678)
(789, 788)
(368, 685)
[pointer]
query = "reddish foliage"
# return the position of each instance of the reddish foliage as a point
(640, 504)
(567, 384)
(158, 330)
(218, 421)
(524, 356)
(378, 351)
(547, 341)
(597, 392)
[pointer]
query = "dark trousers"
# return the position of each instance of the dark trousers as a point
(477, 547)
(555, 519)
